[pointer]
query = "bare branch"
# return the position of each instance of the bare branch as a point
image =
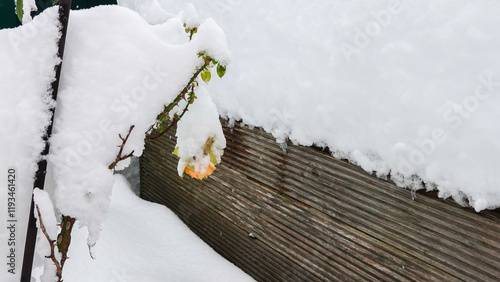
(120, 157)
(52, 246)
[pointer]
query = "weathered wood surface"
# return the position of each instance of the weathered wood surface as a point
(316, 218)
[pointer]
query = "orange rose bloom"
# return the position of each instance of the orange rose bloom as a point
(197, 174)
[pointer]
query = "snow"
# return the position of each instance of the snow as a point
(115, 76)
(28, 56)
(118, 73)
(399, 87)
(189, 16)
(150, 10)
(198, 125)
(43, 204)
(143, 241)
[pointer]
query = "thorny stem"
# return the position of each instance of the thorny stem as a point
(177, 99)
(119, 157)
(175, 120)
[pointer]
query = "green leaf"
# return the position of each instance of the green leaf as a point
(221, 70)
(202, 54)
(213, 159)
(176, 151)
(19, 10)
(206, 75)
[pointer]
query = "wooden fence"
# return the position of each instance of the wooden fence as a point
(306, 216)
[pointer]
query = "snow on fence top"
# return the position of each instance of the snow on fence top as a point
(410, 88)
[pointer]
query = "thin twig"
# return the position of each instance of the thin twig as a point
(119, 157)
(52, 247)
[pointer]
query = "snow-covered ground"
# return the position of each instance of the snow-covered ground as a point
(143, 241)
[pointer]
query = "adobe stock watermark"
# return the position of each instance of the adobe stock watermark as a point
(460, 111)
(11, 220)
(363, 36)
(223, 6)
(454, 117)
(122, 108)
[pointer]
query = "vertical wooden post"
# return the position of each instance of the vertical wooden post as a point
(29, 250)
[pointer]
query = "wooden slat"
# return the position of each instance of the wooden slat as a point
(319, 219)
(206, 224)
